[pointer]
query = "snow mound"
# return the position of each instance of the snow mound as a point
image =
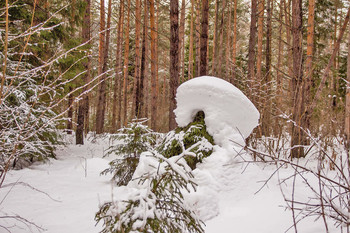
(229, 114)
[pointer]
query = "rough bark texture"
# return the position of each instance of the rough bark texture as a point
(182, 41)
(190, 56)
(198, 48)
(251, 52)
(174, 59)
(137, 59)
(102, 101)
(83, 104)
(234, 46)
(259, 56)
(347, 100)
(153, 67)
(101, 51)
(221, 40)
(118, 72)
(141, 94)
(204, 37)
(298, 137)
(126, 67)
(214, 60)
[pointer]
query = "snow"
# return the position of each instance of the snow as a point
(229, 114)
(226, 196)
(229, 196)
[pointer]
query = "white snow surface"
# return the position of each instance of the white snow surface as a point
(226, 197)
(229, 114)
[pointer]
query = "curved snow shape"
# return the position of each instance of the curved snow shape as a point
(229, 114)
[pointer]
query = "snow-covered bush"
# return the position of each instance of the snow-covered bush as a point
(131, 140)
(153, 200)
(193, 136)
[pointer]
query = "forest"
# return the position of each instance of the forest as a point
(85, 67)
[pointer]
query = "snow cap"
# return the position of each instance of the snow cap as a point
(229, 114)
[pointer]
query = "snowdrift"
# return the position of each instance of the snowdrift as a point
(229, 114)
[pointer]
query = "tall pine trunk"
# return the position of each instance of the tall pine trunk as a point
(137, 59)
(174, 59)
(84, 103)
(153, 67)
(118, 72)
(190, 53)
(234, 46)
(126, 67)
(251, 52)
(204, 37)
(101, 50)
(298, 137)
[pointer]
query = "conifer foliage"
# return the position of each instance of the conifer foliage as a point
(154, 200)
(133, 139)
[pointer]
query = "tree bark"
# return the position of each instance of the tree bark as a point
(174, 59)
(234, 46)
(137, 59)
(298, 137)
(198, 48)
(182, 41)
(190, 53)
(228, 43)
(251, 52)
(126, 67)
(214, 60)
(101, 50)
(204, 37)
(347, 100)
(221, 40)
(118, 72)
(84, 103)
(261, 9)
(153, 68)
(142, 94)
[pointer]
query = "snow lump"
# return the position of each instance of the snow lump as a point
(229, 114)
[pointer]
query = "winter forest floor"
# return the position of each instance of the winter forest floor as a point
(71, 190)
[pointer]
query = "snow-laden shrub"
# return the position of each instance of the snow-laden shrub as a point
(153, 200)
(27, 130)
(131, 140)
(194, 138)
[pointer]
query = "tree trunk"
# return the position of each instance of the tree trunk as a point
(142, 94)
(137, 59)
(190, 56)
(83, 104)
(267, 103)
(153, 67)
(174, 59)
(279, 89)
(214, 60)
(347, 100)
(221, 40)
(182, 41)
(101, 50)
(251, 52)
(198, 48)
(234, 46)
(261, 9)
(126, 67)
(204, 37)
(298, 137)
(228, 43)
(118, 72)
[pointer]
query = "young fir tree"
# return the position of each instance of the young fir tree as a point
(133, 139)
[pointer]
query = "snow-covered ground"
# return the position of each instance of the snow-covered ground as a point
(63, 195)
(76, 189)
